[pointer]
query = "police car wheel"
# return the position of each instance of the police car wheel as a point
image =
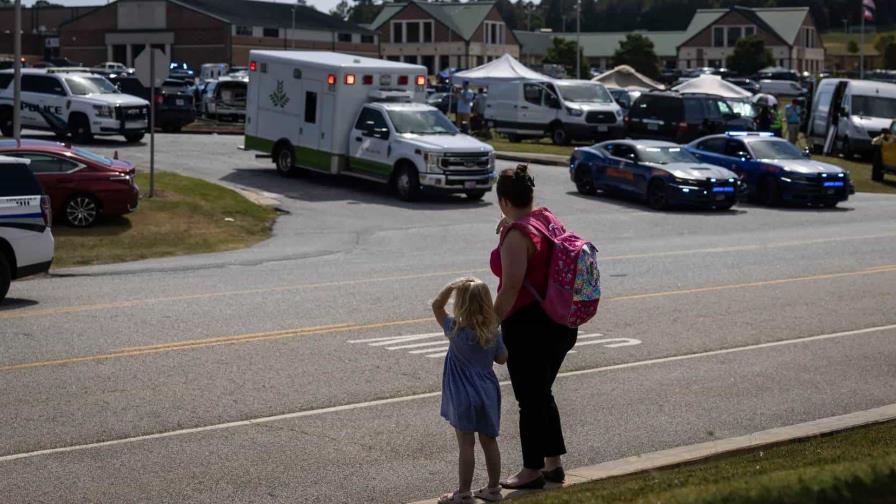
(769, 192)
(81, 211)
(584, 182)
(475, 195)
(656, 195)
(79, 128)
(5, 277)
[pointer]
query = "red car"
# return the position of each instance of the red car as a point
(81, 185)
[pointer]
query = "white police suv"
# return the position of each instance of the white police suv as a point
(26, 242)
(79, 104)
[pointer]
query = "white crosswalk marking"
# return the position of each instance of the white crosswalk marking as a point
(437, 346)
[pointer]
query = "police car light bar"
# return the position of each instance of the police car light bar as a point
(750, 133)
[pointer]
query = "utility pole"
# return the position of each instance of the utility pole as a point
(578, 39)
(862, 46)
(17, 65)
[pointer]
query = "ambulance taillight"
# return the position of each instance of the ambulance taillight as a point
(421, 80)
(331, 79)
(402, 80)
(253, 66)
(349, 79)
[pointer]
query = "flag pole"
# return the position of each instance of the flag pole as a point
(862, 45)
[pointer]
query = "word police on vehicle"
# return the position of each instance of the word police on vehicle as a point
(363, 117)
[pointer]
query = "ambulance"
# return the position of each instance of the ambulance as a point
(362, 117)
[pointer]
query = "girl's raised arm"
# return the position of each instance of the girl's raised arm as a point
(438, 304)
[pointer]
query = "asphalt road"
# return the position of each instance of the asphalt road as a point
(305, 369)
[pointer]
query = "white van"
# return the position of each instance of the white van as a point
(857, 109)
(563, 110)
(363, 117)
(212, 71)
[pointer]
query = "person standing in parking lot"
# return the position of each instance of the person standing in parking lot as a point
(536, 344)
(465, 106)
(794, 115)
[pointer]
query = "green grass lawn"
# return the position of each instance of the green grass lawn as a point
(187, 216)
(857, 466)
(860, 171)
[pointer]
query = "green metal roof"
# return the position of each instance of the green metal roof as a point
(461, 18)
(271, 14)
(600, 45)
(784, 21)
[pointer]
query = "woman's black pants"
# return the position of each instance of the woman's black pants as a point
(536, 347)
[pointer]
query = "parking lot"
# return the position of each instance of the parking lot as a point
(306, 368)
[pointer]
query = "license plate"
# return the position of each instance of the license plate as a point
(829, 191)
(652, 127)
(179, 102)
(602, 129)
(720, 197)
(470, 184)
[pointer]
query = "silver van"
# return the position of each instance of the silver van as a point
(846, 114)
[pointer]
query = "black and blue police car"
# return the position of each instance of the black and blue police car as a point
(662, 173)
(774, 170)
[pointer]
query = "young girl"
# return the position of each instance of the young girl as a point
(471, 396)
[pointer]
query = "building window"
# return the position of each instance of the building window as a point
(366, 39)
(271, 32)
(493, 33)
(344, 37)
(413, 31)
(734, 34)
(718, 37)
(244, 30)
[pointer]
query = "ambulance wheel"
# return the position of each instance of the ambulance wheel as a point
(285, 160)
(5, 277)
(79, 128)
(407, 183)
(475, 195)
(6, 122)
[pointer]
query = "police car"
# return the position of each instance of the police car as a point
(662, 173)
(774, 170)
(26, 243)
(79, 104)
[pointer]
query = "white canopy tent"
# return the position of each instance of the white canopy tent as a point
(712, 85)
(504, 69)
(626, 77)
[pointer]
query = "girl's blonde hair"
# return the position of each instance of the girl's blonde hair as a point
(474, 310)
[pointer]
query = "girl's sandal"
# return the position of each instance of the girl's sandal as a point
(457, 498)
(489, 494)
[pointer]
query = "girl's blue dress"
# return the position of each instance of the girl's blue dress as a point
(471, 396)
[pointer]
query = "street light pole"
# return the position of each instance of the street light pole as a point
(17, 65)
(578, 39)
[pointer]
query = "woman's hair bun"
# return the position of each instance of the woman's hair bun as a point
(522, 174)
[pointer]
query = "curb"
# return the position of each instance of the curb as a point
(532, 158)
(701, 451)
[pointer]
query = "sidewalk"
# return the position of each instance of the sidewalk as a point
(701, 451)
(533, 158)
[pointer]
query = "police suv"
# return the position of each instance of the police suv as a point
(26, 243)
(81, 104)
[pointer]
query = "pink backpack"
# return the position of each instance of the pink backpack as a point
(573, 291)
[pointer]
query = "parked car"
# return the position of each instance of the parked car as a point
(226, 98)
(179, 69)
(680, 119)
(622, 97)
(777, 73)
(79, 104)
(774, 170)
(435, 100)
(114, 67)
(781, 88)
(174, 110)
(26, 242)
(744, 83)
(885, 162)
(64, 62)
(81, 185)
(662, 173)
(857, 109)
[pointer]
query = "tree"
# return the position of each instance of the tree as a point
(636, 51)
(750, 56)
(563, 52)
(852, 47)
(364, 11)
(341, 10)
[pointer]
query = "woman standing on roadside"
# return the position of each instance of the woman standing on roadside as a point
(536, 344)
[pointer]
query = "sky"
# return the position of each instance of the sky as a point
(321, 5)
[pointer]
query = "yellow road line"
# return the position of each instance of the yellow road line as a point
(38, 312)
(202, 343)
(290, 333)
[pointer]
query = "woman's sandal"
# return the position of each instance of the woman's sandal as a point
(457, 498)
(489, 494)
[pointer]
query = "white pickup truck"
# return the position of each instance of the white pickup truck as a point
(360, 117)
